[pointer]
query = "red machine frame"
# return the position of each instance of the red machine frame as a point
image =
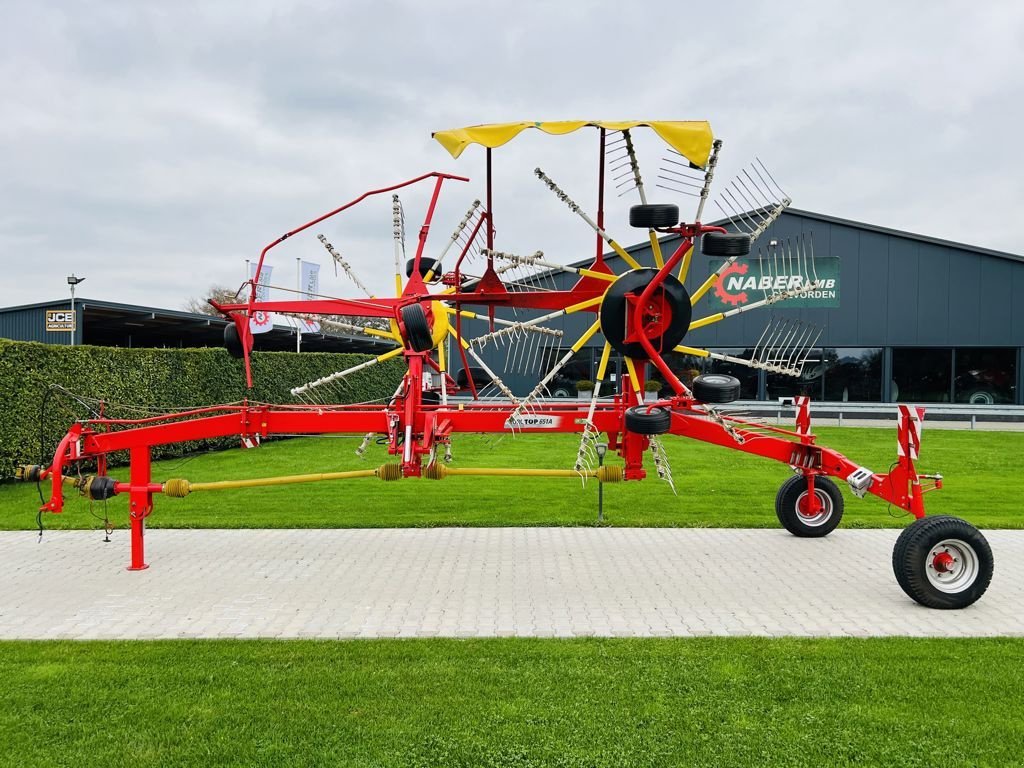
(415, 428)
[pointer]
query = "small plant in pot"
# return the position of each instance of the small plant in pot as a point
(651, 389)
(584, 386)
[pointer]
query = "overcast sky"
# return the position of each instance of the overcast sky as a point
(154, 146)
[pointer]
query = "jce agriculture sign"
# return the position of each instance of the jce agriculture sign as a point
(60, 320)
(748, 280)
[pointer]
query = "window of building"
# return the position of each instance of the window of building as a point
(747, 376)
(853, 374)
(921, 375)
(579, 368)
(808, 383)
(985, 376)
(688, 367)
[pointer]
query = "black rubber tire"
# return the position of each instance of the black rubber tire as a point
(911, 554)
(653, 215)
(716, 388)
(479, 375)
(417, 330)
(655, 421)
(615, 305)
(426, 265)
(787, 508)
(717, 244)
(232, 342)
(430, 397)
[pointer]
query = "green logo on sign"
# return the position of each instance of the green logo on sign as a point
(748, 280)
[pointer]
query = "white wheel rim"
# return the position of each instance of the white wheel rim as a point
(822, 515)
(952, 566)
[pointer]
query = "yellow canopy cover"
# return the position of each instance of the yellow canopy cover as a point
(690, 138)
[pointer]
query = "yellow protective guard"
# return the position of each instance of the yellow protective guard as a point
(690, 138)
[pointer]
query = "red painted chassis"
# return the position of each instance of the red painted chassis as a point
(415, 428)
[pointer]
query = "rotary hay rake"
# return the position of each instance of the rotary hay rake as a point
(643, 313)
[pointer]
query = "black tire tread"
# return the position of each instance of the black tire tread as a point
(657, 421)
(789, 517)
(912, 548)
(729, 244)
(707, 390)
(233, 342)
(417, 330)
(654, 215)
(426, 265)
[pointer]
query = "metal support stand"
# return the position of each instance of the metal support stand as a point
(602, 449)
(140, 505)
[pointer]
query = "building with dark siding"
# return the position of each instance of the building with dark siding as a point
(113, 324)
(913, 318)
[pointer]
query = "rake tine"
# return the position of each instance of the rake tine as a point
(679, 181)
(767, 173)
(755, 191)
(754, 352)
(798, 349)
(677, 191)
(728, 216)
(734, 216)
(811, 346)
(746, 217)
(752, 205)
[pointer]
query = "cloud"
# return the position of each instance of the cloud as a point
(155, 146)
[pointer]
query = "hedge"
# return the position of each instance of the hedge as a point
(38, 414)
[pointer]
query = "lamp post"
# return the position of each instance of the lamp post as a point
(72, 282)
(602, 449)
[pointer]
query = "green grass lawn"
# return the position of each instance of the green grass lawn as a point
(717, 487)
(722, 702)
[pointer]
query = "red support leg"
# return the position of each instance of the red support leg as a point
(140, 505)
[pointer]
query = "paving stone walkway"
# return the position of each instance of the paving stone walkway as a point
(481, 582)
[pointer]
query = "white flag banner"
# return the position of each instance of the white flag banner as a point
(309, 280)
(261, 322)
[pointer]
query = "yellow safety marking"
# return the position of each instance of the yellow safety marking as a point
(684, 268)
(286, 480)
(703, 289)
(606, 474)
(583, 305)
(691, 351)
(440, 358)
(622, 252)
(656, 247)
(709, 320)
(598, 275)
(389, 355)
(383, 334)
(587, 334)
(398, 285)
(441, 324)
(633, 378)
(602, 367)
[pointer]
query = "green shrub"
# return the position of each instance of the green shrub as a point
(584, 385)
(137, 382)
(651, 385)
